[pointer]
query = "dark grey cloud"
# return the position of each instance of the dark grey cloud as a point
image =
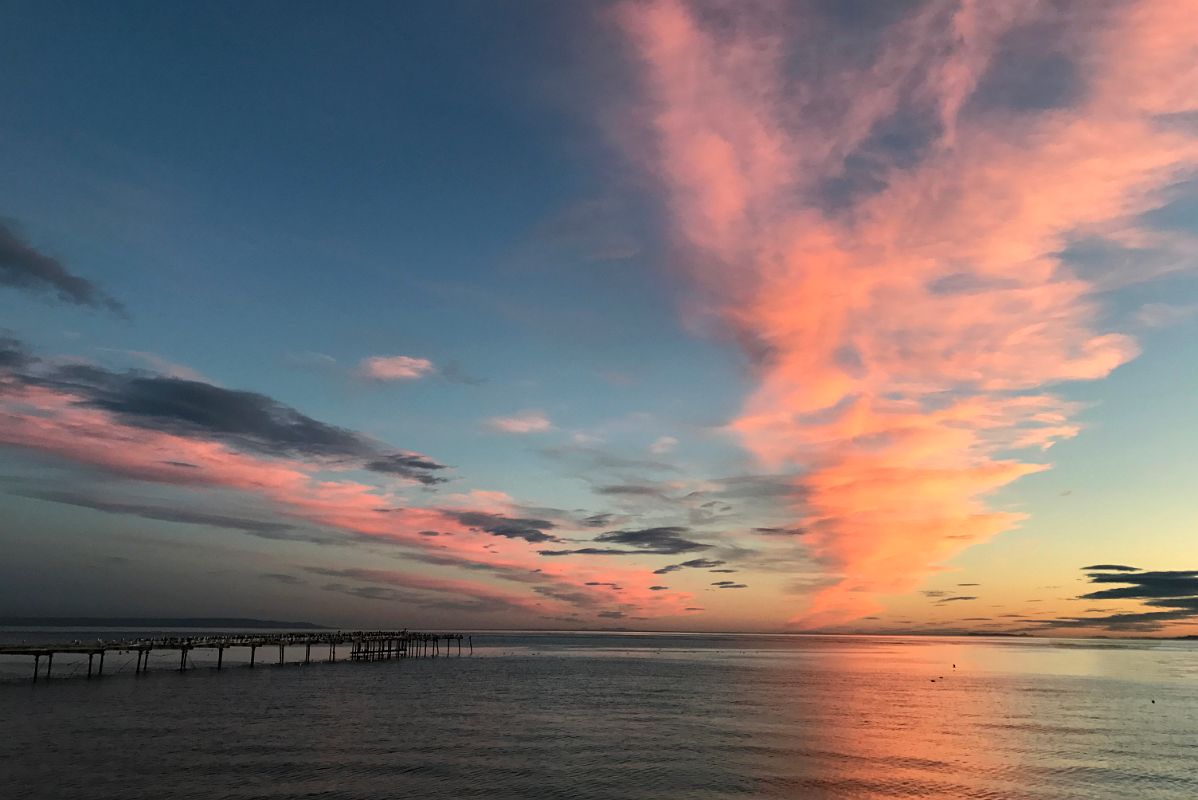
(502, 571)
(22, 266)
(248, 421)
(614, 586)
(279, 577)
(630, 489)
(530, 530)
(1166, 595)
(13, 353)
(260, 528)
(697, 563)
(933, 593)
(590, 551)
(399, 595)
(597, 520)
(412, 466)
(665, 540)
(780, 531)
(954, 599)
(567, 595)
(753, 487)
(611, 614)
(1143, 585)
(658, 588)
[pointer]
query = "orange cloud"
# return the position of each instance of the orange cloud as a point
(909, 305)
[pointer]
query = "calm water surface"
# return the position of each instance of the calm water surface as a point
(624, 716)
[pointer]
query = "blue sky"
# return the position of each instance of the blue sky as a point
(275, 193)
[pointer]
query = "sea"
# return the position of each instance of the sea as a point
(619, 715)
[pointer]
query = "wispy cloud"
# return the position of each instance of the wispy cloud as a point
(1168, 597)
(22, 266)
(248, 421)
(522, 423)
(199, 437)
(887, 237)
(663, 445)
(1164, 315)
(395, 368)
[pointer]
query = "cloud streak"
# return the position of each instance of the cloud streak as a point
(248, 421)
(22, 266)
(395, 368)
(205, 437)
(886, 237)
(522, 423)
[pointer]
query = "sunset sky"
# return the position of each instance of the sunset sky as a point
(663, 315)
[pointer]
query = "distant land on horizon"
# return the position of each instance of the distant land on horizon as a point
(153, 622)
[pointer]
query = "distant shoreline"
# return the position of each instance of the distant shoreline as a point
(153, 622)
(221, 623)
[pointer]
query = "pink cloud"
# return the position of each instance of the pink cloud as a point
(55, 423)
(910, 336)
(394, 368)
(524, 422)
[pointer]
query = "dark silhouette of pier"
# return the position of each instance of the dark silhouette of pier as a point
(365, 646)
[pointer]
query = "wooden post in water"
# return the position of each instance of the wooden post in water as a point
(37, 662)
(308, 653)
(280, 655)
(49, 665)
(89, 664)
(253, 652)
(100, 671)
(471, 640)
(220, 656)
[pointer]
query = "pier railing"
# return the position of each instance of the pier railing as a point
(365, 646)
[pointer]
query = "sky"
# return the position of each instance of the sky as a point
(660, 315)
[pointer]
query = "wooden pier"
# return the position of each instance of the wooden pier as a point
(364, 646)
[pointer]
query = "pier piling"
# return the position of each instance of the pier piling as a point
(364, 646)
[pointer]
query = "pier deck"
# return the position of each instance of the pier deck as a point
(365, 646)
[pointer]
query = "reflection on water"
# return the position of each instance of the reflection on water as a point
(606, 716)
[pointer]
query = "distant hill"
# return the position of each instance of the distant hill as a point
(162, 623)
